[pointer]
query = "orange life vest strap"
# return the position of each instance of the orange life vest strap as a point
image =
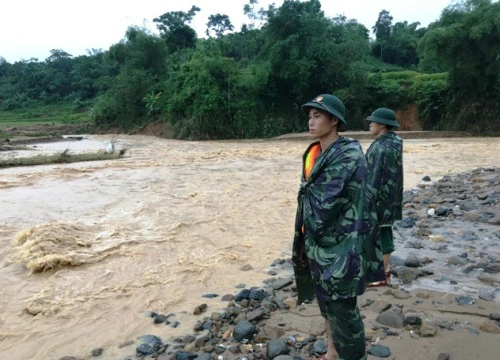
(311, 157)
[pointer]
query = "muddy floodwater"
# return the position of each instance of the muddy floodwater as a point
(87, 249)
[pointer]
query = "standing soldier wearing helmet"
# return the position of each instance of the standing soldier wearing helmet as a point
(385, 179)
(334, 250)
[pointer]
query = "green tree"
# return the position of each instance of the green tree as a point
(243, 46)
(218, 24)
(400, 48)
(141, 57)
(140, 50)
(59, 69)
(58, 54)
(200, 102)
(59, 78)
(250, 11)
(91, 75)
(346, 30)
(382, 30)
(404, 43)
(122, 105)
(466, 42)
(174, 28)
(309, 54)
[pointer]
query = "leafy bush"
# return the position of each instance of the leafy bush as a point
(16, 101)
(122, 105)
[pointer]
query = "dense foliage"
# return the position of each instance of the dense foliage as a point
(251, 83)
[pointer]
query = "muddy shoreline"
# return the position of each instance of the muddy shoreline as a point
(360, 135)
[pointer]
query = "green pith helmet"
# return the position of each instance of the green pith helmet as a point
(384, 116)
(330, 104)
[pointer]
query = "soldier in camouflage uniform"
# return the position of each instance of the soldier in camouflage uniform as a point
(335, 249)
(385, 179)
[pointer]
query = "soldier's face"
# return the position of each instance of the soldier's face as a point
(376, 129)
(320, 123)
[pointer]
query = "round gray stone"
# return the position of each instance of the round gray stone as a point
(276, 347)
(412, 261)
(380, 351)
(244, 330)
(391, 318)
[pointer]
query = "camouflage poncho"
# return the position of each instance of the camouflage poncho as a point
(385, 177)
(335, 226)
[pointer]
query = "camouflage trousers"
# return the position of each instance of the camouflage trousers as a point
(347, 328)
(387, 239)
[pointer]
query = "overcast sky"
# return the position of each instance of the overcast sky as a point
(31, 28)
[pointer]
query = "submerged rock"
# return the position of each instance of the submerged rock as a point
(457, 261)
(380, 351)
(495, 316)
(413, 320)
(145, 349)
(97, 352)
(160, 319)
(407, 223)
(228, 297)
(152, 340)
(200, 309)
(407, 274)
(210, 296)
(490, 326)
(465, 300)
(427, 330)
(185, 356)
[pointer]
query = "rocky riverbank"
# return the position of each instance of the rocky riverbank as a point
(443, 301)
(450, 235)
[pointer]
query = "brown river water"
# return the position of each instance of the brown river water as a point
(86, 249)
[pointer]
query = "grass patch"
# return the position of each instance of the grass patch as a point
(35, 114)
(63, 158)
(43, 120)
(430, 77)
(373, 64)
(400, 75)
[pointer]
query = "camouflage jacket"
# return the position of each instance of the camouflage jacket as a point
(335, 227)
(385, 177)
